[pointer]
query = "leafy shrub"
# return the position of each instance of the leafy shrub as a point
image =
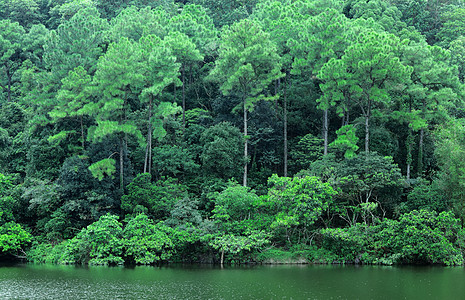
(146, 242)
(420, 237)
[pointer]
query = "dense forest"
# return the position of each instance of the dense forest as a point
(138, 131)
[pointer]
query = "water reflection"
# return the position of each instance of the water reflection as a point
(230, 282)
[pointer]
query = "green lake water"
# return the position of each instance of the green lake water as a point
(30, 281)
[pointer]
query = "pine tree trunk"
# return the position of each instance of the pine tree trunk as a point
(367, 127)
(367, 134)
(420, 152)
(82, 135)
(347, 111)
(183, 98)
(420, 143)
(408, 173)
(121, 165)
(245, 142)
(148, 150)
(8, 76)
(285, 127)
(325, 131)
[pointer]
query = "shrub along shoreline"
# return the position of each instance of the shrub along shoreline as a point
(418, 237)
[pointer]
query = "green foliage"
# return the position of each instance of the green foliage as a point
(367, 185)
(102, 167)
(146, 242)
(453, 28)
(13, 237)
(159, 197)
(76, 42)
(298, 202)
(450, 151)
(232, 245)
(134, 23)
(247, 61)
(100, 243)
(235, 203)
(457, 50)
(307, 150)
(226, 12)
(25, 12)
(10, 59)
(428, 196)
(346, 141)
(420, 237)
(193, 22)
(173, 161)
(102, 79)
(384, 13)
(221, 152)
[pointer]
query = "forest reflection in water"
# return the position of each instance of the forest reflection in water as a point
(28, 281)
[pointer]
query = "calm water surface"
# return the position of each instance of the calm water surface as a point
(212, 282)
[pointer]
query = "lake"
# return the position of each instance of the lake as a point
(29, 281)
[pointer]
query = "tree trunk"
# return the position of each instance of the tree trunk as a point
(367, 133)
(8, 76)
(420, 143)
(409, 146)
(285, 127)
(82, 135)
(347, 111)
(367, 126)
(148, 150)
(183, 74)
(121, 165)
(420, 152)
(408, 173)
(245, 142)
(325, 131)
(343, 119)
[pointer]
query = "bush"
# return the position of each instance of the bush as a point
(146, 242)
(419, 237)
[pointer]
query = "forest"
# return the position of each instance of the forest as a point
(260, 131)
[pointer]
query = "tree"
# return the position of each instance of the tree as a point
(457, 51)
(453, 28)
(25, 12)
(146, 242)
(238, 221)
(73, 102)
(384, 13)
(367, 184)
(161, 70)
(195, 22)
(134, 23)
(33, 44)
(449, 151)
(282, 20)
(13, 237)
(118, 75)
(101, 243)
(186, 54)
(298, 203)
(247, 62)
(76, 42)
(433, 92)
(324, 37)
(11, 35)
(371, 69)
(157, 198)
(226, 12)
(220, 153)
